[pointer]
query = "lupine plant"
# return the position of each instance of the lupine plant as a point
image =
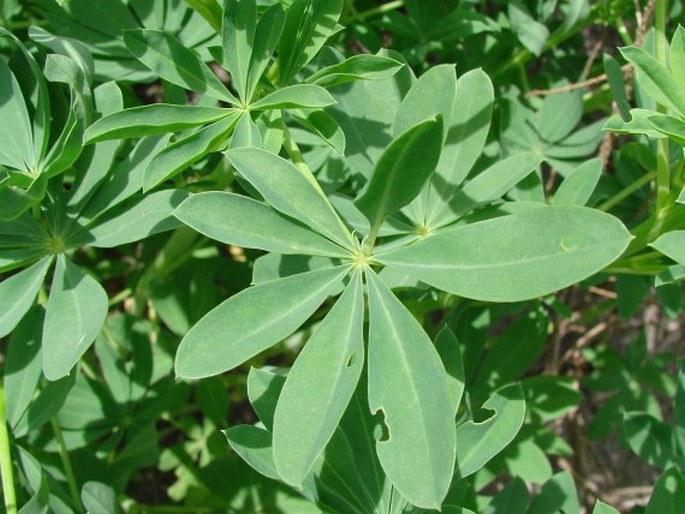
(285, 256)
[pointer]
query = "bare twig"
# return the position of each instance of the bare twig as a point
(595, 81)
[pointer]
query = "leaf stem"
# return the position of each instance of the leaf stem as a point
(66, 463)
(381, 9)
(5, 457)
(663, 172)
(627, 191)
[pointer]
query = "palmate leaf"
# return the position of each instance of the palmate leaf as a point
(242, 221)
(515, 257)
(291, 191)
(319, 386)
(252, 321)
(75, 312)
(408, 385)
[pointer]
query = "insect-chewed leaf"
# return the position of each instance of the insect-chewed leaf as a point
(319, 386)
(477, 443)
(242, 221)
(151, 120)
(408, 385)
(75, 312)
(289, 190)
(668, 495)
(515, 257)
(252, 321)
(402, 170)
(18, 292)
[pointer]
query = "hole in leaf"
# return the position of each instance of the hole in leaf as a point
(381, 431)
(351, 359)
(481, 415)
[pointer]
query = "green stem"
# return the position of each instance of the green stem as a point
(663, 172)
(626, 191)
(66, 463)
(5, 457)
(381, 9)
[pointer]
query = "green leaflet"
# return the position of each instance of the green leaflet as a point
(668, 495)
(264, 386)
(408, 386)
(515, 257)
(319, 386)
(558, 116)
(18, 292)
(16, 142)
(151, 214)
(477, 443)
(23, 365)
(269, 30)
(672, 244)
(99, 498)
(246, 133)
(367, 67)
(494, 182)
(305, 96)
(152, 119)
(182, 153)
(253, 444)
(677, 56)
(172, 61)
(603, 508)
(466, 137)
(308, 25)
(401, 171)
(558, 494)
(432, 94)
(291, 191)
(447, 345)
(238, 36)
(579, 185)
(513, 499)
(655, 442)
(656, 79)
(670, 126)
(75, 311)
(252, 321)
(242, 221)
